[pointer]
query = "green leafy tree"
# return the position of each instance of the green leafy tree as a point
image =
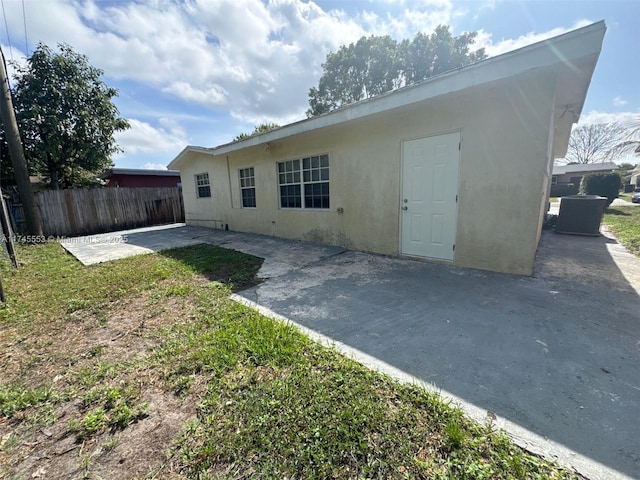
(66, 116)
(429, 55)
(7, 176)
(624, 169)
(262, 128)
(625, 166)
(376, 65)
(360, 70)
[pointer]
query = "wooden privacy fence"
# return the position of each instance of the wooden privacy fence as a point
(97, 210)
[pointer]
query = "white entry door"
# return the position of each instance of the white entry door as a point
(429, 195)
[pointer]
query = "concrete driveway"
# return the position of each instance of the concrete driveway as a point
(554, 208)
(554, 357)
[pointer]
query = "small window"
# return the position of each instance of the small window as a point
(304, 179)
(203, 187)
(248, 187)
(554, 180)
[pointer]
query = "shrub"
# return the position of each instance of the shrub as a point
(563, 190)
(603, 184)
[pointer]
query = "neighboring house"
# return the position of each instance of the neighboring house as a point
(131, 177)
(563, 174)
(455, 169)
(635, 175)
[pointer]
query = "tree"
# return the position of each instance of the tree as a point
(66, 117)
(262, 128)
(624, 170)
(7, 177)
(429, 55)
(376, 65)
(631, 142)
(369, 67)
(594, 143)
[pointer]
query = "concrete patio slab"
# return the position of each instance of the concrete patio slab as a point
(103, 247)
(554, 357)
(281, 256)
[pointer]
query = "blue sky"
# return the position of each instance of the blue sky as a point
(199, 72)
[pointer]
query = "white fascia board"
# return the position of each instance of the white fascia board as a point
(560, 50)
(181, 157)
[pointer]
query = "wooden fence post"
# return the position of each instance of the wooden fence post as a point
(8, 233)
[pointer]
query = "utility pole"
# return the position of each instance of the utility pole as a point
(17, 153)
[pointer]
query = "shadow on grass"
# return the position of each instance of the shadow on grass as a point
(615, 211)
(235, 269)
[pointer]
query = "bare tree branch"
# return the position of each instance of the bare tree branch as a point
(595, 143)
(631, 142)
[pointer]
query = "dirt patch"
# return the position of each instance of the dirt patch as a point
(67, 347)
(40, 444)
(142, 449)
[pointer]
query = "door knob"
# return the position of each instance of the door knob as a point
(405, 208)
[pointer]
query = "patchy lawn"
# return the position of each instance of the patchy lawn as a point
(143, 368)
(624, 222)
(625, 196)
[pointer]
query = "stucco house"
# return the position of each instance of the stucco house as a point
(635, 173)
(563, 174)
(455, 169)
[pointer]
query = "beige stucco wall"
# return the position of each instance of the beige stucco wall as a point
(504, 176)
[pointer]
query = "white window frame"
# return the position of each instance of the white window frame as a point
(202, 181)
(247, 179)
(304, 172)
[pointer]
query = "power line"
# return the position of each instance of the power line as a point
(26, 40)
(6, 26)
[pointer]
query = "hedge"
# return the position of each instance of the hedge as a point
(603, 184)
(564, 190)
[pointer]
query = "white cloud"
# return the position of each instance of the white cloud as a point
(624, 118)
(619, 101)
(485, 39)
(154, 166)
(142, 137)
(252, 59)
(215, 96)
(255, 60)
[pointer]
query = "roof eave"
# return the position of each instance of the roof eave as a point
(143, 171)
(185, 153)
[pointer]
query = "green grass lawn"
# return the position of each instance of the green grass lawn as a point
(554, 199)
(625, 196)
(91, 354)
(624, 222)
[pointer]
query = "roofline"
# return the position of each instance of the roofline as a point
(584, 167)
(538, 55)
(175, 163)
(144, 171)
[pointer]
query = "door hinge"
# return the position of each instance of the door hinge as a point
(456, 198)
(454, 247)
(460, 145)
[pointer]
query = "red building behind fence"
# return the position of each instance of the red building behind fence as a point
(132, 178)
